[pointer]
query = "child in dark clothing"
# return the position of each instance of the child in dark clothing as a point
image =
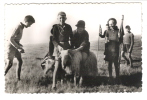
(80, 40)
(104, 36)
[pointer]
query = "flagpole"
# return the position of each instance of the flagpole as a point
(121, 37)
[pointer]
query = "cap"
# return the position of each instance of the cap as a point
(80, 23)
(62, 13)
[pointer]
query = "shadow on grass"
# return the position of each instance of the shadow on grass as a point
(126, 80)
(45, 81)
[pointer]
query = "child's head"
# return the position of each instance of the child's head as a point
(28, 21)
(112, 22)
(127, 28)
(80, 26)
(61, 17)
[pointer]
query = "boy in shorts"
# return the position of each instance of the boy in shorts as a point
(128, 42)
(14, 48)
(61, 35)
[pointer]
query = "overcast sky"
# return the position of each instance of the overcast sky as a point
(93, 14)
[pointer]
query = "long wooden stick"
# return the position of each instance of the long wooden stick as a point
(120, 45)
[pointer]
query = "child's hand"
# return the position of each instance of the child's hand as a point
(21, 50)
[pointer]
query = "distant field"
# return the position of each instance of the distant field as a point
(33, 81)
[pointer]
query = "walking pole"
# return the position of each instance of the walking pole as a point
(121, 31)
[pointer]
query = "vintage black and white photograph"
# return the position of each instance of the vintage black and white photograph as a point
(73, 48)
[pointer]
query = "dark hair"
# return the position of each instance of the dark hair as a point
(127, 27)
(29, 18)
(113, 20)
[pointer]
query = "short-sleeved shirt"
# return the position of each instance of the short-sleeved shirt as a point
(127, 38)
(16, 36)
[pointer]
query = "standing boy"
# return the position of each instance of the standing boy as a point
(128, 42)
(113, 37)
(62, 34)
(14, 48)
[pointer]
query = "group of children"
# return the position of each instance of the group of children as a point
(61, 34)
(127, 45)
(113, 41)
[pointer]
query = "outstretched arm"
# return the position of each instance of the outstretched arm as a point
(103, 35)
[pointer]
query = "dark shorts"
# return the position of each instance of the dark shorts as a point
(126, 47)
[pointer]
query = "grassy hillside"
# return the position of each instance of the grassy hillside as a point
(33, 81)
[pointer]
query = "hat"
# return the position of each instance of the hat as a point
(62, 13)
(80, 23)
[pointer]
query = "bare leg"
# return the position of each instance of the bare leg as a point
(75, 81)
(130, 59)
(123, 55)
(110, 68)
(110, 72)
(116, 68)
(19, 64)
(81, 81)
(57, 62)
(117, 71)
(8, 66)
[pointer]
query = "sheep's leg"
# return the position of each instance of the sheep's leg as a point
(75, 81)
(81, 81)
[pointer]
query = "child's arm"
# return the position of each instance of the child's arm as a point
(103, 35)
(12, 39)
(132, 43)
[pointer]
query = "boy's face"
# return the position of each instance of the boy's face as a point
(28, 24)
(112, 23)
(61, 19)
(80, 29)
(127, 29)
